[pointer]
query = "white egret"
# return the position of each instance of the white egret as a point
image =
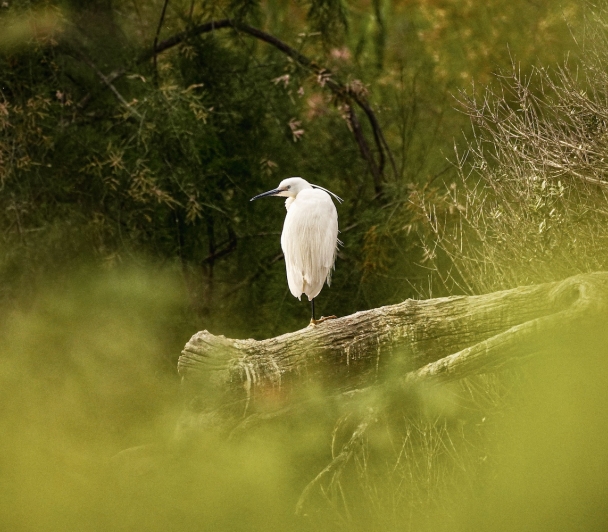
(309, 238)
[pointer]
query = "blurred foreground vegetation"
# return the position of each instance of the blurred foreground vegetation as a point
(89, 436)
(126, 227)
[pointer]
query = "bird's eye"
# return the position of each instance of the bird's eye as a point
(288, 187)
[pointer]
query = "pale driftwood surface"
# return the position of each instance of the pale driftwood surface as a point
(414, 341)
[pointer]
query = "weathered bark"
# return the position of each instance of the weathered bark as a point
(414, 341)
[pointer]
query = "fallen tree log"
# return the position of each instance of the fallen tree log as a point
(429, 341)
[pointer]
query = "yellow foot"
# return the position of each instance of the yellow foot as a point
(322, 319)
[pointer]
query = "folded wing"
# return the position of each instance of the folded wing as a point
(309, 241)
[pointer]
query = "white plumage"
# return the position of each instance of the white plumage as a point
(310, 235)
(309, 241)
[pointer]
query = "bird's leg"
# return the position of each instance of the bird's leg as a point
(321, 319)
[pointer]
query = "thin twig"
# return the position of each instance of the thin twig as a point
(336, 466)
(160, 25)
(364, 149)
(109, 84)
(250, 278)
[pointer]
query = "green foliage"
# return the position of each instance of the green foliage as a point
(158, 168)
(328, 17)
(163, 163)
(535, 169)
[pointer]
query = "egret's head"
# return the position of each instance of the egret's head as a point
(288, 188)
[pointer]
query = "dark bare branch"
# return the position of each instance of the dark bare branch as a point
(106, 81)
(364, 149)
(325, 76)
(160, 25)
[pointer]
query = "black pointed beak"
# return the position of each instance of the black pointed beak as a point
(269, 193)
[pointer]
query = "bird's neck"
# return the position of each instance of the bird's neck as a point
(289, 201)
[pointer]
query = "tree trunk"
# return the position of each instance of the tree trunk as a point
(415, 341)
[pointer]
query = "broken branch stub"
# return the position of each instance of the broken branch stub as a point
(411, 342)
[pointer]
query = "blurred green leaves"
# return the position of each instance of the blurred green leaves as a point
(89, 439)
(36, 25)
